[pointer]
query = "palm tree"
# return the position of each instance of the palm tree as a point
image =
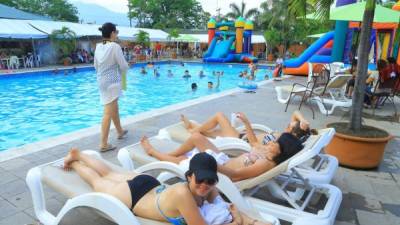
(241, 11)
(323, 7)
(142, 38)
(64, 39)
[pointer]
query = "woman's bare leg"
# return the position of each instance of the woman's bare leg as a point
(219, 119)
(115, 117)
(98, 166)
(105, 126)
(151, 151)
(196, 140)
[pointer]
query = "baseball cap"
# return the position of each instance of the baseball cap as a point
(204, 167)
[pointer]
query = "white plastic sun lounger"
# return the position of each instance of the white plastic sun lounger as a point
(320, 168)
(80, 194)
(279, 186)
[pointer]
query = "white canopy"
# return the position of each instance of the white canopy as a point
(255, 39)
(80, 29)
(19, 29)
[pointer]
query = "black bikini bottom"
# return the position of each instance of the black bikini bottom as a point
(140, 185)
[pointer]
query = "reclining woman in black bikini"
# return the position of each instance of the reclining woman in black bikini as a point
(259, 160)
(147, 198)
(219, 125)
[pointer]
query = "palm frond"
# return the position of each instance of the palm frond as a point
(322, 8)
(235, 8)
(251, 13)
(297, 7)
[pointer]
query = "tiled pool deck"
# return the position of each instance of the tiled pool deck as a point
(369, 197)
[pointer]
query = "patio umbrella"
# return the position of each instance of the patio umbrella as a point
(355, 12)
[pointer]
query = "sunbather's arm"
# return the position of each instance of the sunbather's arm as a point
(238, 174)
(251, 136)
(297, 116)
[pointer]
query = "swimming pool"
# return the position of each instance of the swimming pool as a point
(36, 106)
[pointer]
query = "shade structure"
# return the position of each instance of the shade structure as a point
(19, 29)
(186, 38)
(355, 12)
(203, 38)
(80, 30)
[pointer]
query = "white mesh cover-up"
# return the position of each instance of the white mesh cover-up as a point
(109, 63)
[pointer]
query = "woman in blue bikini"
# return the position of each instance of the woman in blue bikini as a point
(148, 198)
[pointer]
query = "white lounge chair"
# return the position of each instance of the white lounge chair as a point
(277, 184)
(80, 194)
(334, 95)
(330, 94)
(320, 168)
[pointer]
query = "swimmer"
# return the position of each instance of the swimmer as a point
(194, 87)
(186, 75)
(170, 74)
(201, 74)
(143, 71)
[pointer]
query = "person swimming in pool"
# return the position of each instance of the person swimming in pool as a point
(201, 74)
(170, 74)
(146, 197)
(143, 71)
(186, 75)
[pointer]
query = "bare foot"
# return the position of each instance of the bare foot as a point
(71, 157)
(144, 142)
(188, 125)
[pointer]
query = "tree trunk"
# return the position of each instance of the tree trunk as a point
(362, 67)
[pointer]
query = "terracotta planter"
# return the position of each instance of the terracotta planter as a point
(357, 152)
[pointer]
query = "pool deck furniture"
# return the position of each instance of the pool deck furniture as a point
(369, 197)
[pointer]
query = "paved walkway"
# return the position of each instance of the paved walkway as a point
(369, 197)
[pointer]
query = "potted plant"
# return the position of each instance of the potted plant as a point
(143, 39)
(65, 40)
(174, 33)
(273, 39)
(356, 145)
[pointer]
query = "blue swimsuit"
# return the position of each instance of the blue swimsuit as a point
(175, 221)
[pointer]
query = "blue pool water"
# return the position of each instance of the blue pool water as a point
(34, 107)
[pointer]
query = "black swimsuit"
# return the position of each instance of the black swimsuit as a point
(140, 185)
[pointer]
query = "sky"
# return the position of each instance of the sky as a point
(121, 5)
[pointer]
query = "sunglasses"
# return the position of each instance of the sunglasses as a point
(210, 182)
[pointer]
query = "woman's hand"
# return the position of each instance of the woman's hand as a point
(242, 117)
(304, 124)
(236, 218)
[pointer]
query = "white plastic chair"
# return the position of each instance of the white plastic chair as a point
(14, 62)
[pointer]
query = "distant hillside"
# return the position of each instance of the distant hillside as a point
(92, 13)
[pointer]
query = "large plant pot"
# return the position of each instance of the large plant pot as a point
(357, 152)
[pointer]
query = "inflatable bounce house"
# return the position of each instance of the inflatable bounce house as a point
(336, 46)
(229, 41)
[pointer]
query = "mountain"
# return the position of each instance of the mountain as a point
(93, 13)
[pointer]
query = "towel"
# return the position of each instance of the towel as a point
(217, 212)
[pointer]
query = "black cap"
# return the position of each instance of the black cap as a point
(204, 166)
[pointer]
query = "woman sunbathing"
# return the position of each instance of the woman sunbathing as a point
(219, 125)
(260, 159)
(147, 198)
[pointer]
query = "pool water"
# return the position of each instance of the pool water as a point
(34, 107)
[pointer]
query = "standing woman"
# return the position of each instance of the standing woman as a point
(109, 63)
